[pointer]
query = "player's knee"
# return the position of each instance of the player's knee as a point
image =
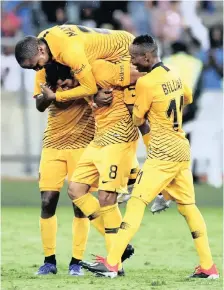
(76, 190)
(49, 201)
(77, 211)
(107, 198)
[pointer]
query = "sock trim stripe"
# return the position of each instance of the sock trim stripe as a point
(93, 216)
(111, 230)
(196, 234)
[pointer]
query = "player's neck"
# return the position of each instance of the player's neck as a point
(156, 60)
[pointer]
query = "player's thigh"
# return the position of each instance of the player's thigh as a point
(115, 165)
(153, 178)
(73, 156)
(182, 188)
(86, 171)
(52, 170)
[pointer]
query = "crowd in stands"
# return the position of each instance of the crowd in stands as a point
(191, 30)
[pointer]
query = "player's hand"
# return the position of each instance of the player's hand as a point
(104, 97)
(47, 93)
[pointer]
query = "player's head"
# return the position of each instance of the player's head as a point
(57, 73)
(32, 53)
(178, 46)
(143, 51)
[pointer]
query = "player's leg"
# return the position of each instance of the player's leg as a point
(182, 190)
(114, 164)
(84, 176)
(80, 223)
(124, 193)
(80, 232)
(52, 174)
(152, 179)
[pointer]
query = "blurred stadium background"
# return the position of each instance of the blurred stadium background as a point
(190, 34)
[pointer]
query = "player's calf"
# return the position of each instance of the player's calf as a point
(48, 225)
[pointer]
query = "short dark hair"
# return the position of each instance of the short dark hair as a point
(26, 48)
(147, 42)
(56, 71)
(178, 46)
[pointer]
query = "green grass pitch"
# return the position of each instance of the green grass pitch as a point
(164, 251)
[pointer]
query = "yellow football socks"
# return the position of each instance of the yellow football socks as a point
(198, 230)
(90, 206)
(112, 220)
(131, 222)
(48, 229)
(80, 232)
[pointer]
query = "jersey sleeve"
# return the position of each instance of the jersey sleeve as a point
(143, 101)
(74, 56)
(40, 78)
(188, 96)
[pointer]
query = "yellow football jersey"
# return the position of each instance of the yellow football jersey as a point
(69, 128)
(78, 46)
(113, 123)
(161, 96)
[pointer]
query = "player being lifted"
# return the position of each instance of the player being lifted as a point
(161, 96)
(76, 47)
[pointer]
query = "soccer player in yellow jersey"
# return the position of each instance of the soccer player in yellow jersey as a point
(70, 129)
(76, 47)
(109, 157)
(161, 96)
(70, 125)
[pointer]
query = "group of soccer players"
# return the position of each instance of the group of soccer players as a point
(85, 79)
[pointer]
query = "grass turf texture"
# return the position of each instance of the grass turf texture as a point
(164, 255)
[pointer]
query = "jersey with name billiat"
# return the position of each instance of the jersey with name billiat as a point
(161, 95)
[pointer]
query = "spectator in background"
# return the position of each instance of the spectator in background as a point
(193, 22)
(167, 23)
(54, 12)
(140, 15)
(10, 70)
(88, 13)
(105, 13)
(207, 133)
(16, 15)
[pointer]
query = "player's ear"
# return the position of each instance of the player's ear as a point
(147, 57)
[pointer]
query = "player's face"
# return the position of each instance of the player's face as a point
(67, 84)
(138, 59)
(38, 61)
